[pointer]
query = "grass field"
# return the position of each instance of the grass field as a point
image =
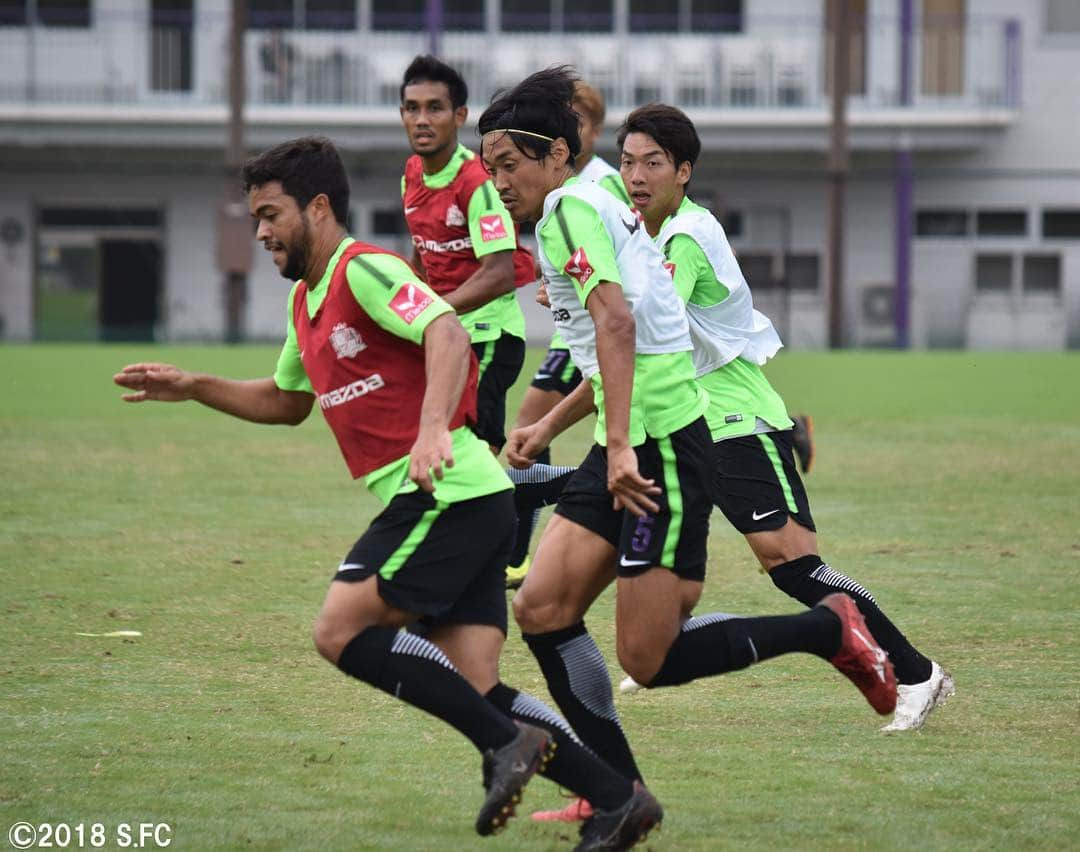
(949, 484)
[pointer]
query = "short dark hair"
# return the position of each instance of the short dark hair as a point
(428, 69)
(671, 129)
(305, 167)
(541, 103)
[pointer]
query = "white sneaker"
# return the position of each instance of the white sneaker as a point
(915, 701)
(629, 686)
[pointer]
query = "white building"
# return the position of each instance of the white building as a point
(964, 118)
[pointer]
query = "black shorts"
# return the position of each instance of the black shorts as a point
(557, 373)
(500, 363)
(444, 562)
(675, 537)
(757, 485)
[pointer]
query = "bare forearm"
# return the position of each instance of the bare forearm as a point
(574, 407)
(615, 354)
(256, 400)
(446, 365)
(494, 278)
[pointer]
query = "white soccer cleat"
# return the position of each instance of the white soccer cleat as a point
(915, 701)
(629, 686)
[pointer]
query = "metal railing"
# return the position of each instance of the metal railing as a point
(774, 64)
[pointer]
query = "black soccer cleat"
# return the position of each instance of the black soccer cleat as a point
(506, 772)
(802, 440)
(610, 831)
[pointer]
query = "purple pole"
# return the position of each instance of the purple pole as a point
(433, 18)
(903, 188)
(1012, 62)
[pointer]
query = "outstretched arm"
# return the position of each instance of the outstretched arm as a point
(257, 400)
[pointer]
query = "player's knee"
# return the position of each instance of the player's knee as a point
(639, 658)
(329, 639)
(535, 615)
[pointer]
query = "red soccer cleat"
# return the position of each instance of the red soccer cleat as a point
(860, 658)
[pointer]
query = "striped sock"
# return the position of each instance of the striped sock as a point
(578, 680)
(414, 670)
(808, 579)
(573, 766)
(536, 486)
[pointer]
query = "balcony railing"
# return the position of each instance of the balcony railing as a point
(774, 64)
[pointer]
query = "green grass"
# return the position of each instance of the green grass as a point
(949, 484)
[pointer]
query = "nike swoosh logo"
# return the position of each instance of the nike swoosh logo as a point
(629, 227)
(410, 210)
(633, 563)
(758, 517)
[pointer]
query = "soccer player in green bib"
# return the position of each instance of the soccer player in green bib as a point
(391, 369)
(637, 509)
(756, 482)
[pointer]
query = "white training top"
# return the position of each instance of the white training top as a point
(596, 169)
(731, 328)
(658, 311)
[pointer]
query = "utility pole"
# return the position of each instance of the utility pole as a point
(433, 21)
(837, 170)
(234, 227)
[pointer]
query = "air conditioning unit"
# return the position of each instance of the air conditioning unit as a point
(877, 315)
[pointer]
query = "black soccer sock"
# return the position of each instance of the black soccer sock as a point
(534, 487)
(578, 680)
(544, 456)
(411, 668)
(572, 766)
(716, 643)
(808, 579)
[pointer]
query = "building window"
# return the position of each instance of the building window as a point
(757, 269)
(588, 16)
(1061, 224)
(941, 223)
(647, 16)
(330, 14)
(733, 224)
(12, 13)
(1062, 16)
(63, 13)
(803, 271)
(1001, 223)
(526, 15)
(716, 16)
(271, 14)
(993, 274)
(388, 222)
(463, 15)
(1041, 275)
(306, 14)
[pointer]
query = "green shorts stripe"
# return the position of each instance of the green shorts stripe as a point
(674, 499)
(778, 467)
(411, 542)
(489, 355)
(568, 371)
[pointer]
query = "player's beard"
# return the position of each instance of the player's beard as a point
(298, 252)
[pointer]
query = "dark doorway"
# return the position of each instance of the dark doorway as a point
(130, 289)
